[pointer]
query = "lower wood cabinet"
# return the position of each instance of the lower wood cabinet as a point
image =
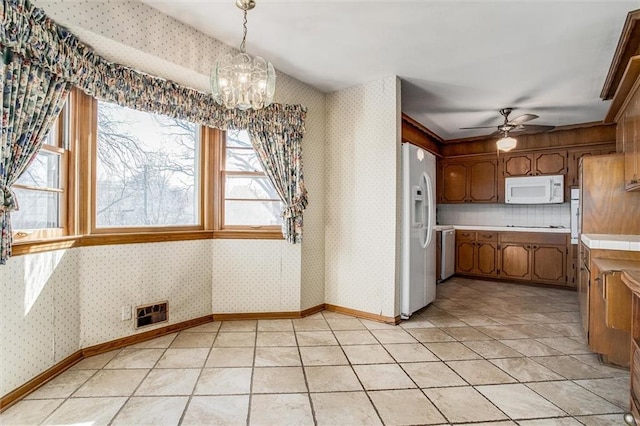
(605, 302)
(477, 253)
(515, 261)
(521, 256)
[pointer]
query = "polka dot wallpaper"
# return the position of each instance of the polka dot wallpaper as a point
(39, 317)
(138, 274)
(79, 303)
(361, 196)
(134, 34)
(261, 277)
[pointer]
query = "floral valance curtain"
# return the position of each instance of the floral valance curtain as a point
(28, 32)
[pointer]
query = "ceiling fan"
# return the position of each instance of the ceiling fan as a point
(507, 143)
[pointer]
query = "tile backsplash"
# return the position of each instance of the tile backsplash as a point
(505, 214)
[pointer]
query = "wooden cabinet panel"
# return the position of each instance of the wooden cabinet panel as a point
(630, 123)
(465, 257)
(487, 263)
(515, 261)
(469, 181)
(518, 165)
(483, 186)
(549, 264)
(617, 302)
(583, 289)
(573, 177)
(454, 183)
(477, 253)
(522, 256)
(614, 345)
(550, 163)
(543, 163)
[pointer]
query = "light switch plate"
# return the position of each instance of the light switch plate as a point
(126, 313)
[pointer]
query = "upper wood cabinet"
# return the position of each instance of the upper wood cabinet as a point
(535, 164)
(628, 133)
(468, 181)
(573, 177)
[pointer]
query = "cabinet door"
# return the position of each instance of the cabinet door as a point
(617, 302)
(465, 256)
(515, 261)
(454, 183)
(487, 263)
(550, 163)
(549, 264)
(482, 181)
(518, 165)
(631, 143)
(583, 296)
(573, 177)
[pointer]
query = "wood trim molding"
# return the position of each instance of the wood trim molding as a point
(628, 46)
(144, 336)
(17, 394)
(417, 134)
(267, 315)
(628, 83)
(565, 137)
(362, 314)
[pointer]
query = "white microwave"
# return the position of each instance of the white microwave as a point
(534, 190)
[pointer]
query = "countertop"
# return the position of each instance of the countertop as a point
(611, 241)
(616, 265)
(512, 229)
(632, 280)
(442, 227)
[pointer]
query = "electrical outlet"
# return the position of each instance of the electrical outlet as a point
(126, 313)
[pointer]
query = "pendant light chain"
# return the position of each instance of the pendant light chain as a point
(244, 35)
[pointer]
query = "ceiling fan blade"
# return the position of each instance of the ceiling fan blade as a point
(522, 119)
(481, 127)
(537, 127)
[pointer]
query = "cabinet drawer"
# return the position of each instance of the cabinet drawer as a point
(465, 235)
(486, 236)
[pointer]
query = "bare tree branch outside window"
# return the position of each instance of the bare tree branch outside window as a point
(147, 169)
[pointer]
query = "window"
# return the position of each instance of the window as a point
(109, 174)
(41, 190)
(250, 200)
(147, 170)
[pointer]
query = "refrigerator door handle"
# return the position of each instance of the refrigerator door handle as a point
(428, 203)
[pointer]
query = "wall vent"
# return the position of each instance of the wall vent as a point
(151, 314)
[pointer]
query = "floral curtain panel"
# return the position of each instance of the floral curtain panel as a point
(282, 163)
(31, 99)
(27, 32)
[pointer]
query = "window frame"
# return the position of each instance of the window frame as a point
(95, 230)
(64, 149)
(78, 179)
(235, 231)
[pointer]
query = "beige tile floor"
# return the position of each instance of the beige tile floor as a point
(489, 352)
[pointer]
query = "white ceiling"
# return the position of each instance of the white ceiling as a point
(460, 61)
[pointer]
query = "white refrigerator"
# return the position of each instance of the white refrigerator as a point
(418, 246)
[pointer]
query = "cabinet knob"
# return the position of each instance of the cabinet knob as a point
(628, 419)
(535, 247)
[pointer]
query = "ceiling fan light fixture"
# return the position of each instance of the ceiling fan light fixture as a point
(506, 143)
(239, 81)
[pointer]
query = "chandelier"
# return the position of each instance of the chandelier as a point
(240, 81)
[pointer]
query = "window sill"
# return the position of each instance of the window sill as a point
(67, 242)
